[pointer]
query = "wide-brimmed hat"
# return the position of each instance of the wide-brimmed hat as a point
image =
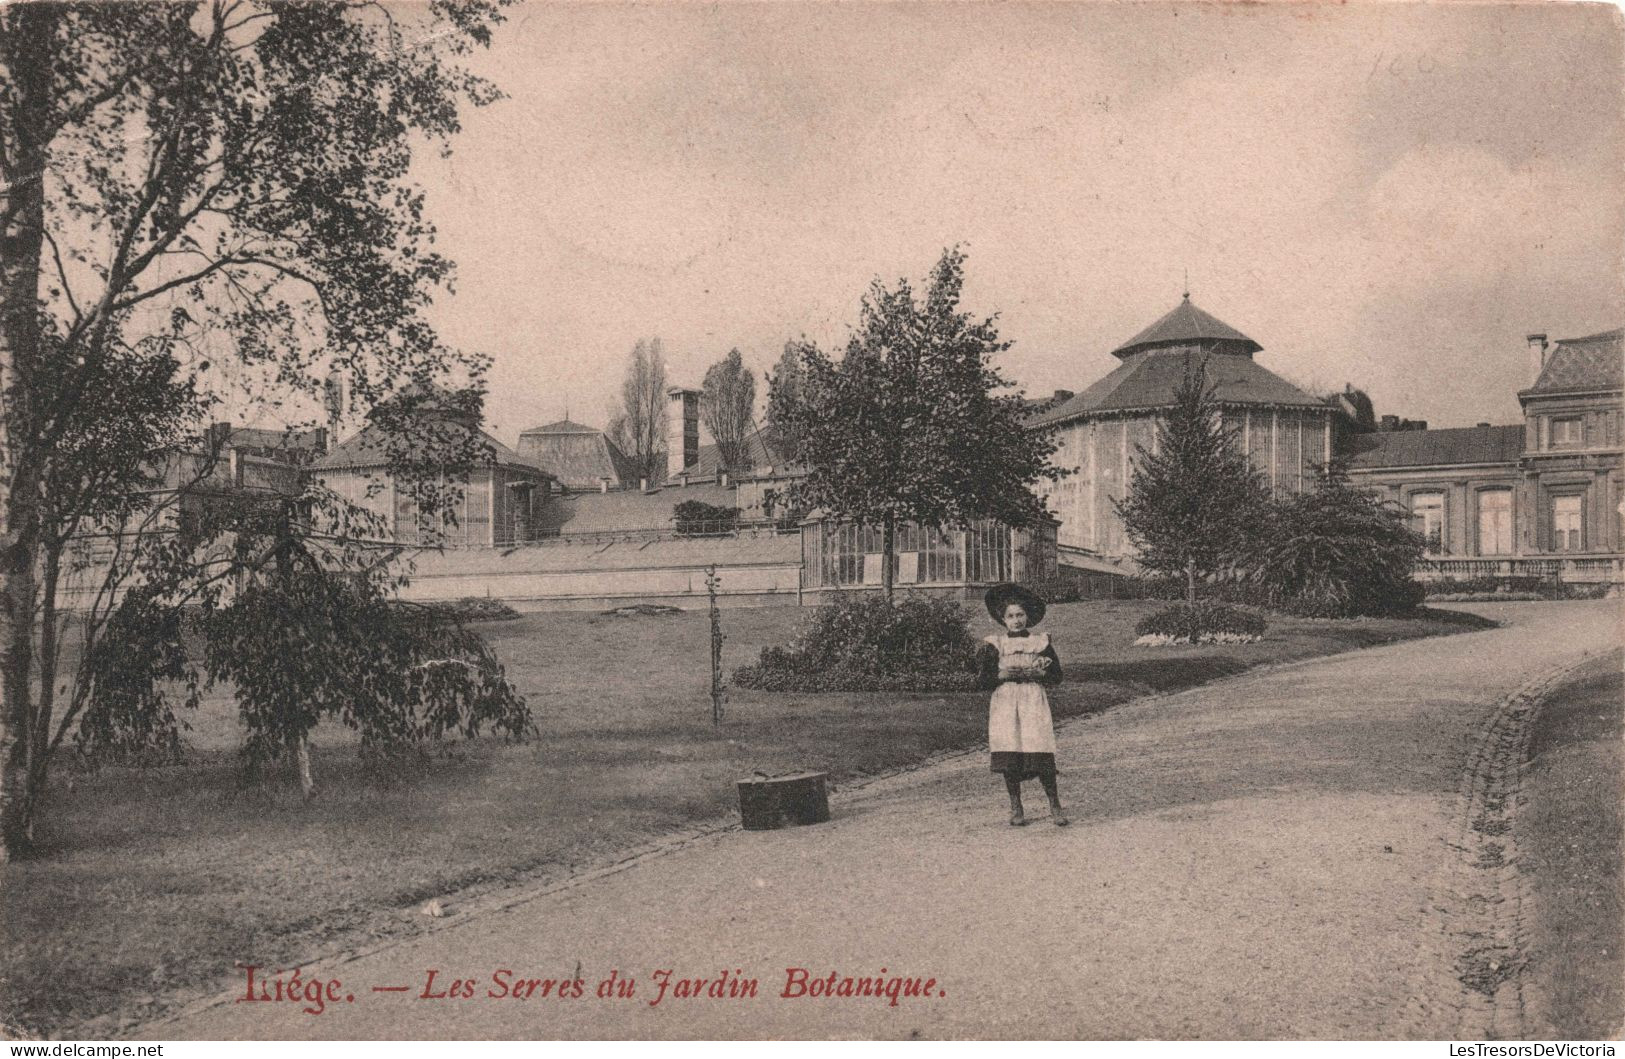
(1001, 596)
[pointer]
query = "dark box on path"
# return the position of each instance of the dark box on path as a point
(767, 802)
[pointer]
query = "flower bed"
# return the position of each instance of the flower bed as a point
(1187, 623)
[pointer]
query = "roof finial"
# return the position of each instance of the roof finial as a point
(1187, 284)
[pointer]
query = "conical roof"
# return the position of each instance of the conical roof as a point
(1155, 362)
(1187, 325)
(563, 426)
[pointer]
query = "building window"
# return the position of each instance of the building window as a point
(1427, 518)
(1495, 522)
(1568, 433)
(1568, 523)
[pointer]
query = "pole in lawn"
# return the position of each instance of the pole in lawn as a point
(712, 583)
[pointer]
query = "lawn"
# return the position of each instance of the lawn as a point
(151, 883)
(1571, 830)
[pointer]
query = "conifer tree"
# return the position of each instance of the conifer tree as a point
(1195, 504)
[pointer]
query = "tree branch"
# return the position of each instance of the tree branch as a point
(62, 273)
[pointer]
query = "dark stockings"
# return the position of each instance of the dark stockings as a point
(1018, 817)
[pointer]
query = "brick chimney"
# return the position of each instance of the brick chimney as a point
(1537, 356)
(682, 429)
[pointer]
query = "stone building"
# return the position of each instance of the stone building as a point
(501, 497)
(1284, 431)
(1543, 497)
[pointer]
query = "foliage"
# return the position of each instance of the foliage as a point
(196, 201)
(306, 645)
(473, 608)
(639, 427)
(1195, 504)
(1201, 622)
(863, 642)
(1059, 589)
(785, 381)
(1338, 551)
(695, 518)
(312, 634)
(131, 718)
(727, 408)
(907, 425)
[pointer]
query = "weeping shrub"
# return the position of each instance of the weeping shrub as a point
(1339, 552)
(310, 645)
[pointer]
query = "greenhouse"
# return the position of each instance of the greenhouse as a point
(838, 556)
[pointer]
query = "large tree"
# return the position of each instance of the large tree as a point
(910, 424)
(187, 186)
(727, 408)
(639, 425)
(1195, 505)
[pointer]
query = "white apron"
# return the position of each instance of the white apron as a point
(1018, 718)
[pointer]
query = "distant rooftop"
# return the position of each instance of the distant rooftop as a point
(1453, 446)
(371, 448)
(578, 455)
(759, 454)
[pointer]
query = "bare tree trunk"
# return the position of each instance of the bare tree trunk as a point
(307, 785)
(1190, 583)
(888, 540)
(41, 717)
(26, 55)
(298, 742)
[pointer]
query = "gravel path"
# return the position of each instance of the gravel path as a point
(1283, 854)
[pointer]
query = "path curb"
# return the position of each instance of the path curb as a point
(1481, 891)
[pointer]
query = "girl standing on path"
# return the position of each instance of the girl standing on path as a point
(1017, 664)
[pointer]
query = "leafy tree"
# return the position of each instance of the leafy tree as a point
(187, 184)
(907, 425)
(727, 407)
(639, 427)
(1337, 551)
(785, 382)
(309, 635)
(1194, 504)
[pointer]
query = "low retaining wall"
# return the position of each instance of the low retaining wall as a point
(754, 572)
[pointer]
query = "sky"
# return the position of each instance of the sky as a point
(1381, 194)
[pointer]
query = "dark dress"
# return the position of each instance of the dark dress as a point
(1028, 764)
